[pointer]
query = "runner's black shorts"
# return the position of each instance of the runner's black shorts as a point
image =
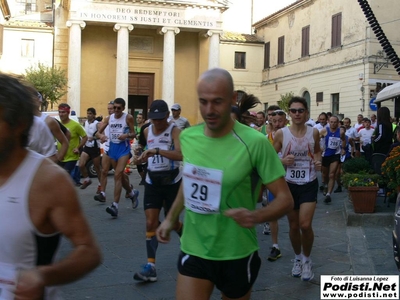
(234, 278)
(93, 152)
(304, 193)
(327, 160)
(160, 196)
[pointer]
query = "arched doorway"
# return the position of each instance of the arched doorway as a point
(306, 95)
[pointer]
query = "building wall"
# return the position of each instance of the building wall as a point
(99, 48)
(346, 70)
(248, 79)
(12, 60)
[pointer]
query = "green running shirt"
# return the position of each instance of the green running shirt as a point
(216, 177)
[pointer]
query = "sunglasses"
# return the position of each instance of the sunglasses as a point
(278, 112)
(117, 108)
(299, 110)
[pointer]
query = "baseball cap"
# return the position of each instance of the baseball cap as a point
(176, 106)
(158, 109)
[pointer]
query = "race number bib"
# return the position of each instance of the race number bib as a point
(299, 172)
(202, 189)
(8, 281)
(333, 142)
(158, 163)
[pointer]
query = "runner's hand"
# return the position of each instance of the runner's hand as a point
(30, 285)
(163, 232)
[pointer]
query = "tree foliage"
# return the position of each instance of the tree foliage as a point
(283, 103)
(51, 82)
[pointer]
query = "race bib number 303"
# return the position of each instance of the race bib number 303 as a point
(202, 189)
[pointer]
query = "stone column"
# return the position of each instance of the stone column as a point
(213, 56)
(122, 78)
(74, 65)
(168, 86)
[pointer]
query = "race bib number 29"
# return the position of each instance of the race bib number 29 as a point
(202, 189)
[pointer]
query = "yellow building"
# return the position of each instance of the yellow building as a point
(323, 50)
(327, 52)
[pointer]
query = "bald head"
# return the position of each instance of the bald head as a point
(218, 74)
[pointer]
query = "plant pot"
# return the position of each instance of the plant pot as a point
(363, 198)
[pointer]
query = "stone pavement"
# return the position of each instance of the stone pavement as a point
(338, 250)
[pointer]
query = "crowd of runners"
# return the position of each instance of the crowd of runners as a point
(235, 170)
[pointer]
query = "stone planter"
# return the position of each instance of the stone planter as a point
(363, 198)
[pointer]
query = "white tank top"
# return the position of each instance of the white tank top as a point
(163, 141)
(90, 129)
(117, 128)
(303, 170)
(41, 139)
(22, 244)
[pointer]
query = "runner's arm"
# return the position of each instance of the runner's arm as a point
(60, 136)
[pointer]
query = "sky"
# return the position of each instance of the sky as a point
(238, 17)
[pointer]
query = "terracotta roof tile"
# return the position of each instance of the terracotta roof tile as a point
(240, 37)
(29, 24)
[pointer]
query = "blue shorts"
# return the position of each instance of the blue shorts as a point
(116, 151)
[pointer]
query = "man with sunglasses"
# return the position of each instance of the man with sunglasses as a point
(301, 156)
(219, 246)
(121, 130)
(163, 178)
(270, 110)
(105, 168)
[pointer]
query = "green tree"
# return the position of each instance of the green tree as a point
(51, 82)
(283, 103)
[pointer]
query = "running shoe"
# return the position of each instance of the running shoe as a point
(100, 197)
(112, 210)
(134, 197)
(274, 254)
(325, 191)
(128, 194)
(266, 229)
(148, 273)
(85, 184)
(297, 268)
(327, 199)
(338, 189)
(307, 273)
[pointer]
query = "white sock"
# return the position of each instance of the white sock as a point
(328, 194)
(104, 194)
(276, 246)
(115, 204)
(299, 257)
(306, 258)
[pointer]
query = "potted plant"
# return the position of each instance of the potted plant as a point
(363, 189)
(391, 172)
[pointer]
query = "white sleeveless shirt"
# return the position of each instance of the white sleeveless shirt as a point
(41, 140)
(163, 141)
(117, 127)
(22, 245)
(90, 129)
(303, 169)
